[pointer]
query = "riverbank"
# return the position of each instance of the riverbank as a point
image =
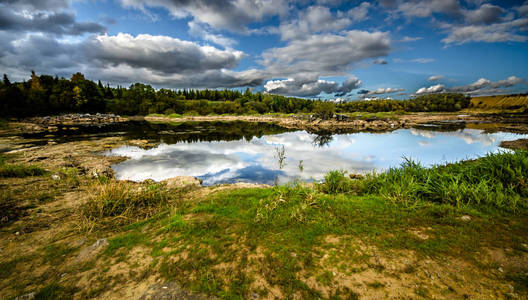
(72, 231)
(367, 121)
(352, 122)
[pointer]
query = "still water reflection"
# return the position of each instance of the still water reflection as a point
(255, 159)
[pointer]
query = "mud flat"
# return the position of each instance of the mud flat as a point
(520, 144)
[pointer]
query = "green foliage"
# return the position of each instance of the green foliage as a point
(324, 110)
(55, 291)
(45, 94)
(433, 102)
(335, 182)
(127, 241)
(498, 179)
(17, 170)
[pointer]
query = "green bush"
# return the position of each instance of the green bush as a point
(335, 182)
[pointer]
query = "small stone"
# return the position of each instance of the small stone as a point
(164, 287)
(92, 250)
(17, 233)
(55, 177)
(465, 218)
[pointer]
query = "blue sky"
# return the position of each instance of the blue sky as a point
(327, 48)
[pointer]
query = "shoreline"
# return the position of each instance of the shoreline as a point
(369, 122)
(131, 256)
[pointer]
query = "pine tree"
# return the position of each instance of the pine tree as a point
(6, 80)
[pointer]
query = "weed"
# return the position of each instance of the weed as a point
(55, 291)
(121, 201)
(335, 182)
(54, 254)
(280, 154)
(18, 170)
(127, 241)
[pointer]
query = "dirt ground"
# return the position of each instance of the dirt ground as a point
(45, 246)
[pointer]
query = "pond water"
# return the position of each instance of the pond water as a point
(253, 157)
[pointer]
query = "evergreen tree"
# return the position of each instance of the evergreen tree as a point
(6, 80)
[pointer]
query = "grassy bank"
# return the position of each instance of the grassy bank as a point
(396, 234)
(310, 241)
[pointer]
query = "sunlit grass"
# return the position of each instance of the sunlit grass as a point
(19, 170)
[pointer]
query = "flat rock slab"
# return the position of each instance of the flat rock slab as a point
(171, 291)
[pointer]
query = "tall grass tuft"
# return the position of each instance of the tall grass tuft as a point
(497, 179)
(125, 202)
(291, 203)
(335, 182)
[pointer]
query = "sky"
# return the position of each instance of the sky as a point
(328, 49)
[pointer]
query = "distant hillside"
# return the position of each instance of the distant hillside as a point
(517, 102)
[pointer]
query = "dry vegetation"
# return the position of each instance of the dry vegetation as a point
(74, 232)
(512, 103)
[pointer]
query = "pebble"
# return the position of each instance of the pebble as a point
(55, 177)
(465, 218)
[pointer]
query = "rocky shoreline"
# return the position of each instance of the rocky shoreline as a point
(313, 124)
(339, 123)
(76, 119)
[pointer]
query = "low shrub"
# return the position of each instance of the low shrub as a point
(335, 182)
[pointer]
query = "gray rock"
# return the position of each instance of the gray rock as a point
(171, 291)
(465, 218)
(92, 250)
(181, 181)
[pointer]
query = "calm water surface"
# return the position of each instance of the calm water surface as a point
(254, 158)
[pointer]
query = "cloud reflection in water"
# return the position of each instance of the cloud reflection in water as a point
(255, 161)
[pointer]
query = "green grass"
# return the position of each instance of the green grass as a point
(289, 225)
(497, 180)
(18, 170)
(391, 115)
(55, 291)
(127, 241)
(55, 253)
(220, 244)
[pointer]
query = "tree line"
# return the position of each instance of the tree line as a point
(48, 95)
